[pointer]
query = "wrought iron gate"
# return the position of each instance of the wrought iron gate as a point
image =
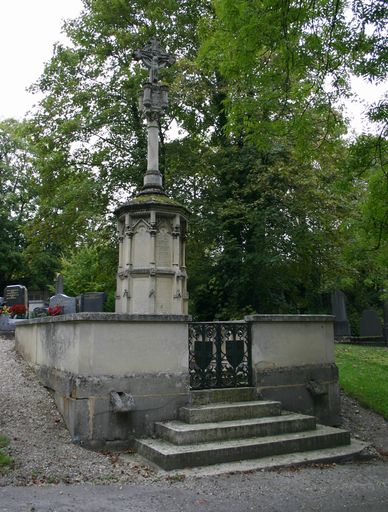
(219, 355)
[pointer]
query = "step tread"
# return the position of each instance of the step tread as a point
(230, 405)
(324, 455)
(181, 426)
(166, 448)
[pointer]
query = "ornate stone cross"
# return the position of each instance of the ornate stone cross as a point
(154, 58)
(153, 101)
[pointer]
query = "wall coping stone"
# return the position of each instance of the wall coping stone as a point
(105, 317)
(289, 318)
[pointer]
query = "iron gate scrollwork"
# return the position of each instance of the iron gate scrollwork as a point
(219, 355)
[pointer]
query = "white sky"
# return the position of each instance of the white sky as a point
(28, 31)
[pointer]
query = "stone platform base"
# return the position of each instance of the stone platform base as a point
(112, 376)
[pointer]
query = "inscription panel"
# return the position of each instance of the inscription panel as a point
(163, 247)
(141, 296)
(141, 247)
(163, 295)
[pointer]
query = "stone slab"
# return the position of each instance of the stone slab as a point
(210, 396)
(370, 324)
(291, 386)
(107, 317)
(229, 411)
(356, 450)
(67, 303)
(289, 318)
(180, 433)
(169, 456)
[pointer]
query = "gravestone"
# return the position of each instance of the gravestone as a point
(67, 303)
(385, 329)
(59, 284)
(338, 307)
(40, 312)
(92, 302)
(16, 294)
(370, 324)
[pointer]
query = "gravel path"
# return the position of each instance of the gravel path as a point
(40, 444)
(44, 453)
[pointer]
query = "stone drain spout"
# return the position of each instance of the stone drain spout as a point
(121, 401)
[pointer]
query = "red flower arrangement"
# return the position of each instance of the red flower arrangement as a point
(55, 310)
(17, 310)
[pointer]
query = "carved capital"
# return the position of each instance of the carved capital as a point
(129, 232)
(176, 232)
(153, 229)
(122, 274)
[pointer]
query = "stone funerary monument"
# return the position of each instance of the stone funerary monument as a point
(152, 278)
(120, 377)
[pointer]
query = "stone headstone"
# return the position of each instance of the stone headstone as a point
(59, 284)
(92, 302)
(40, 312)
(67, 303)
(338, 308)
(385, 329)
(370, 324)
(16, 294)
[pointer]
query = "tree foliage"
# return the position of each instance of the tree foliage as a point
(18, 199)
(284, 207)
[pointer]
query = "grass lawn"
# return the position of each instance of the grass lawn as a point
(363, 374)
(5, 460)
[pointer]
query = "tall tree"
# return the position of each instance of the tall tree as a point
(255, 88)
(17, 192)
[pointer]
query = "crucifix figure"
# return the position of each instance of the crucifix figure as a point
(154, 58)
(153, 101)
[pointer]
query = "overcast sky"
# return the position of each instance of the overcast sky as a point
(28, 31)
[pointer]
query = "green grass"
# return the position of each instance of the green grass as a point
(363, 374)
(5, 460)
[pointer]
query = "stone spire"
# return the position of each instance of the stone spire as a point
(153, 101)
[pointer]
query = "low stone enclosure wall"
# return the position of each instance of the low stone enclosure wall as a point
(114, 375)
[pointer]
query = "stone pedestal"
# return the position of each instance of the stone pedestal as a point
(151, 277)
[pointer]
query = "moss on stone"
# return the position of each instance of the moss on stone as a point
(154, 198)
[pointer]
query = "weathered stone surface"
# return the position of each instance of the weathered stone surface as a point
(370, 324)
(341, 322)
(92, 302)
(291, 340)
(292, 386)
(289, 318)
(107, 317)
(67, 303)
(16, 294)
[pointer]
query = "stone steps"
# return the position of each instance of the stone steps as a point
(211, 396)
(229, 411)
(218, 430)
(179, 433)
(169, 456)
